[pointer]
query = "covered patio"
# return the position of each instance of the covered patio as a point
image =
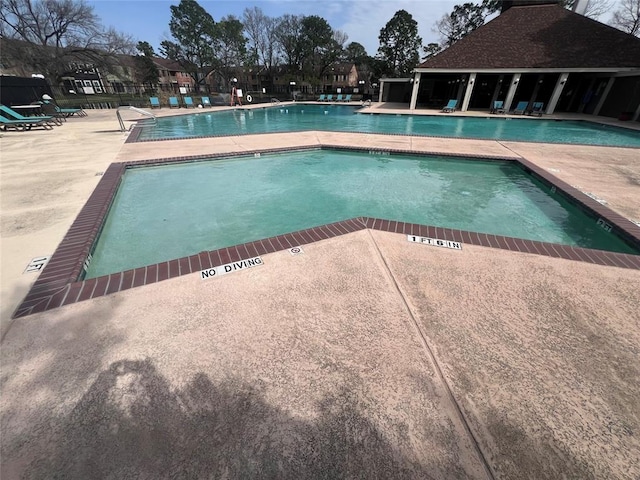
(536, 53)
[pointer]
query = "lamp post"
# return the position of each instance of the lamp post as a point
(292, 84)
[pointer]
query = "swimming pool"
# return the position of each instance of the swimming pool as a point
(343, 118)
(171, 211)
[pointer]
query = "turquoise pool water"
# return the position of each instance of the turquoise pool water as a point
(166, 212)
(302, 117)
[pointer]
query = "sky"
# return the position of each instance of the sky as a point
(361, 20)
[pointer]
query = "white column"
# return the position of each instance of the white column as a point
(414, 92)
(513, 86)
(468, 91)
(381, 90)
(603, 97)
(557, 91)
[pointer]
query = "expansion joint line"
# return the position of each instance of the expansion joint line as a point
(499, 142)
(429, 351)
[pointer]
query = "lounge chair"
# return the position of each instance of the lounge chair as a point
(68, 112)
(188, 102)
(339, 98)
(155, 102)
(498, 107)
(451, 106)
(13, 115)
(536, 109)
(347, 98)
(520, 108)
(24, 124)
(50, 110)
(173, 102)
(205, 101)
(330, 97)
(321, 98)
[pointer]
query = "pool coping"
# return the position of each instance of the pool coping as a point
(58, 284)
(134, 135)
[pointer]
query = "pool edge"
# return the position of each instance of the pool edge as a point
(58, 283)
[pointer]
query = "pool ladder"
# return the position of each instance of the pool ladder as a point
(149, 121)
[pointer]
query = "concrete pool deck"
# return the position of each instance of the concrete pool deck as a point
(365, 356)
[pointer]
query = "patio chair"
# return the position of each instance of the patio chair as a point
(339, 98)
(51, 110)
(205, 101)
(347, 98)
(520, 108)
(59, 111)
(536, 109)
(451, 106)
(13, 115)
(498, 107)
(25, 124)
(321, 98)
(69, 112)
(155, 102)
(330, 97)
(188, 102)
(173, 102)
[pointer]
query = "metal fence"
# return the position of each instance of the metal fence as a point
(114, 96)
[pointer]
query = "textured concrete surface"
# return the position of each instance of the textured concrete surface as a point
(365, 357)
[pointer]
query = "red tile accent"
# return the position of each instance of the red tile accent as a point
(323, 232)
(101, 286)
(72, 295)
(369, 222)
(194, 263)
(313, 235)
(205, 261)
(88, 286)
(114, 283)
(127, 280)
(174, 268)
(58, 298)
(163, 271)
(299, 239)
(243, 251)
(152, 274)
(139, 277)
(224, 256)
(502, 241)
(255, 249)
(185, 267)
(234, 254)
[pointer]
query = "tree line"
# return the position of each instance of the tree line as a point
(54, 35)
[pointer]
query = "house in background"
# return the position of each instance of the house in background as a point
(534, 51)
(172, 75)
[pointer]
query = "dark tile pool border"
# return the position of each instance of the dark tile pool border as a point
(58, 283)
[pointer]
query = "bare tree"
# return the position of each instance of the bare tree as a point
(596, 8)
(289, 40)
(593, 9)
(53, 34)
(260, 30)
(627, 17)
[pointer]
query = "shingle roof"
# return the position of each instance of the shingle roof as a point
(540, 36)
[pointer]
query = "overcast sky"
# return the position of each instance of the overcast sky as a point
(361, 20)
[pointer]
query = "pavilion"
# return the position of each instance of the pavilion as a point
(534, 51)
